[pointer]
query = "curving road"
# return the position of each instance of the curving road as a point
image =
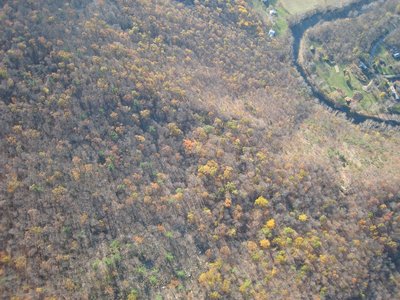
(299, 28)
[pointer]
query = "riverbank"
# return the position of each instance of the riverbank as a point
(298, 28)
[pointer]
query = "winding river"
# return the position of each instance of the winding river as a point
(299, 28)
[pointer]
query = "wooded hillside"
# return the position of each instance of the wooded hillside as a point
(169, 150)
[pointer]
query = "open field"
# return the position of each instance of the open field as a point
(348, 59)
(300, 7)
(278, 23)
(337, 82)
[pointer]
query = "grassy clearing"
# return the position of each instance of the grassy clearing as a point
(302, 6)
(336, 81)
(333, 79)
(347, 80)
(280, 24)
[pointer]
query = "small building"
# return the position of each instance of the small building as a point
(397, 87)
(396, 55)
(363, 66)
(394, 93)
(367, 88)
(272, 33)
(273, 12)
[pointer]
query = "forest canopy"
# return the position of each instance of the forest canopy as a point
(171, 150)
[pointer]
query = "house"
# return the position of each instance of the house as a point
(273, 12)
(363, 66)
(397, 87)
(272, 33)
(394, 92)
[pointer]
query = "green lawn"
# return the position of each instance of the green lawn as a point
(334, 79)
(281, 24)
(302, 6)
(337, 81)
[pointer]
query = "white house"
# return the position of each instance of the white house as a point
(273, 12)
(272, 33)
(394, 92)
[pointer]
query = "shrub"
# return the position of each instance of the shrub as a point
(133, 295)
(245, 286)
(261, 202)
(210, 168)
(265, 244)
(169, 257)
(303, 218)
(3, 73)
(270, 224)
(181, 274)
(215, 295)
(174, 130)
(252, 246)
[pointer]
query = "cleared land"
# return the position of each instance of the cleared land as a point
(348, 59)
(336, 84)
(299, 7)
(278, 23)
